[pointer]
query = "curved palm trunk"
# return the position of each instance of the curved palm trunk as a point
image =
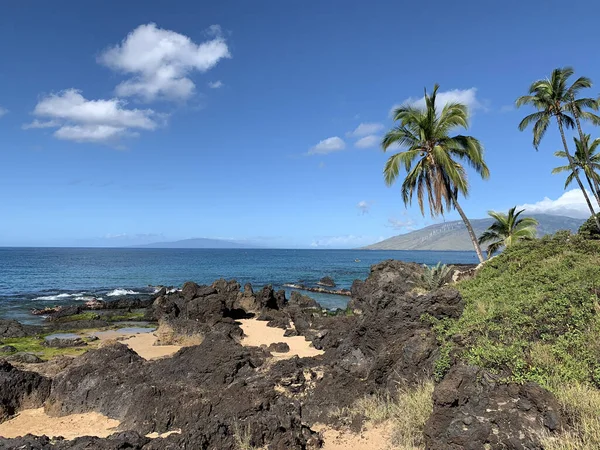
(469, 229)
(593, 188)
(575, 173)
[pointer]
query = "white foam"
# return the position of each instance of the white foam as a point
(117, 292)
(57, 297)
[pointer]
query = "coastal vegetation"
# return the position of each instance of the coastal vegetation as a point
(532, 314)
(507, 230)
(436, 276)
(431, 159)
(587, 161)
(554, 98)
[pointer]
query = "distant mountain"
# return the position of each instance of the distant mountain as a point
(453, 235)
(197, 243)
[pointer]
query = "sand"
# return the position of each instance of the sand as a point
(37, 422)
(371, 438)
(141, 343)
(257, 333)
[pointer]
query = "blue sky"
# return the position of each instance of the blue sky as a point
(131, 122)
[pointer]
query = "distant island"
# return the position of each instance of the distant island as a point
(198, 243)
(453, 235)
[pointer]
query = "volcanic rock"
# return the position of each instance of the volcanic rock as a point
(472, 410)
(20, 390)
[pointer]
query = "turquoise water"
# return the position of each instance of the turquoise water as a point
(43, 277)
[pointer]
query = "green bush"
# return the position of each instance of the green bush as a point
(589, 229)
(531, 314)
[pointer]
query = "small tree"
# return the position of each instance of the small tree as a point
(588, 230)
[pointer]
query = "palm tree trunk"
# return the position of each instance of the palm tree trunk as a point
(575, 173)
(592, 188)
(472, 234)
(586, 151)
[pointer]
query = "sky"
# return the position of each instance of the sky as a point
(131, 122)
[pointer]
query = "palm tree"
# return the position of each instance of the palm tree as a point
(552, 97)
(507, 229)
(430, 158)
(586, 160)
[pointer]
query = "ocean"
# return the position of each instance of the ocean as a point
(42, 277)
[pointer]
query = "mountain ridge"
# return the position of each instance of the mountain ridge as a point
(453, 235)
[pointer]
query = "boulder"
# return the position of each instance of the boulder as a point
(302, 301)
(11, 329)
(472, 410)
(20, 390)
(7, 349)
(65, 342)
(327, 282)
(25, 358)
(279, 347)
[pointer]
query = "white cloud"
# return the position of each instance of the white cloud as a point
(41, 124)
(215, 84)
(346, 241)
(82, 120)
(160, 61)
(368, 142)
(571, 203)
(363, 206)
(465, 96)
(332, 144)
(365, 129)
(3, 111)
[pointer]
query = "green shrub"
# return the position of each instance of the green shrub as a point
(589, 229)
(435, 276)
(531, 314)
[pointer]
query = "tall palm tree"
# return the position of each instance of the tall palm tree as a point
(586, 160)
(507, 229)
(431, 157)
(553, 98)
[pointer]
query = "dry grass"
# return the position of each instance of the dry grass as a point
(406, 413)
(581, 405)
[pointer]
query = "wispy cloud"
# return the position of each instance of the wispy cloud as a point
(368, 141)
(101, 121)
(365, 129)
(161, 61)
(215, 84)
(3, 111)
(465, 96)
(329, 145)
(571, 204)
(364, 207)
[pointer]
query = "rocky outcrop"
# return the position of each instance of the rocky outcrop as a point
(124, 440)
(473, 410)
(327, 282)
(12, 329)
(20, 390)
(208, 391)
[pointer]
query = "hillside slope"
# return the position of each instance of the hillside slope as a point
(453, 235)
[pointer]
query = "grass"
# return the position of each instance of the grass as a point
(581, 406)
(406, 412)
(36, 345)
(242, 436)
